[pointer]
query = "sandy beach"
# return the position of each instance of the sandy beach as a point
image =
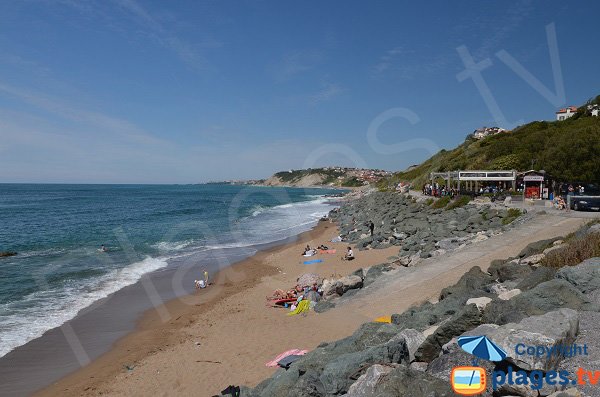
(222, 329)
(224, 335)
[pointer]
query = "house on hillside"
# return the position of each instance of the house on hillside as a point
(565, 113)
(483, 132)
(594, 109)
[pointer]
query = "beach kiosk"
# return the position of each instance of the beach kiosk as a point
(534, 185)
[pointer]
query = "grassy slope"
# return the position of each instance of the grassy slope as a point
(568, 150)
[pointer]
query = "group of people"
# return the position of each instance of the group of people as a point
(308, 251)
(559, 203)
(203, 282)
(435, 190)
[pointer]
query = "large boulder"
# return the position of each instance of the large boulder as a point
(336, 376)
(347, 283)
(549, 331)
(413, 339)
(584, 276)
(403, 381)
(374, 272)
(473, 280)
(539, 275)
(545, 297)
(468, 318)
(537, 247)
(366, 383)
(509, 270)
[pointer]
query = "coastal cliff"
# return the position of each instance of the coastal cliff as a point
(326, 176)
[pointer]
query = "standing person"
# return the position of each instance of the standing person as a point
(371, 227)
(206, 277)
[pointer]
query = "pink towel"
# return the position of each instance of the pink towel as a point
(273, 363)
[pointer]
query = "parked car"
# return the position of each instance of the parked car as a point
(585, 203)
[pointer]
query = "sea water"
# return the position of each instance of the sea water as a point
(57, 231)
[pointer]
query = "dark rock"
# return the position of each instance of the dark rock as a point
(347, 283)
(584, 276)
(403, 381)
(537, 247)
(538, 276)
(323, 305)
(281, 383)
(308, 385)
(336, 374)
(7, 253)
(473, 280)
(468, 318)
(441, 367)
(375, 271)
(510, 270)
(556, 328)
(358, 272)
(543, 298)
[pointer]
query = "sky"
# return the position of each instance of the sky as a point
(132, 91)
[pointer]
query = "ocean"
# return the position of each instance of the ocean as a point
(57, 231)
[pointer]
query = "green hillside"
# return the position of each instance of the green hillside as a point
(568, 150)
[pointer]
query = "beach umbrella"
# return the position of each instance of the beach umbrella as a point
(308, 279)
(481, 347)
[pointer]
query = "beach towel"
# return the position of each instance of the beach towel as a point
(302, 307)
(313, 261)
(337, 239)
(327, 251)
(384, 319)
(296, 352)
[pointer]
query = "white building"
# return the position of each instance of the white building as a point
(565, 113)
(483, 132)
(594, 110)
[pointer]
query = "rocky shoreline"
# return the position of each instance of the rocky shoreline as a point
(518, 299)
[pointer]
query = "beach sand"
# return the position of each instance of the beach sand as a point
(224, 335)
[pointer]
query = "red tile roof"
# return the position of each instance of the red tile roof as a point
(571, 108)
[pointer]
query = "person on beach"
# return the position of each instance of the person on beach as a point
(349, 255)
(371, 227)
(205, 277)
(200, 284)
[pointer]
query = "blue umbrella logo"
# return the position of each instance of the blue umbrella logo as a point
(482, 348)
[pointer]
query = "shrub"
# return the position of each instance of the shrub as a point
(441, 202)
(460, 201)
(513, 213)
(428, 201)
(576, 251)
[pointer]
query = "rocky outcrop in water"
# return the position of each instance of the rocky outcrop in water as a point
(7, 253)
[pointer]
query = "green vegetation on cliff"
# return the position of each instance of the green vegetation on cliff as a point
(568, 150)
